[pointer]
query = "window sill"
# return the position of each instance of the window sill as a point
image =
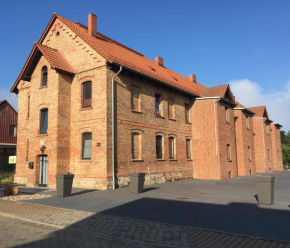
(187, 122)
(230, 160)
(136, 112)
(160, 159)
(85, 160)
(173, 159)
(171, 119)
(43, 87)
(87, 108)
(137, 160)
(189, 159)
(159, 116)
(42, 134)
(227, 123)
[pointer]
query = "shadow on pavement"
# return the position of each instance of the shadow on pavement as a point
(154, 221)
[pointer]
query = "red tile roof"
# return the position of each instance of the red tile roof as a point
(55, 58)
(216, 91)
(115, 52)
(260, 111)
(239, 105)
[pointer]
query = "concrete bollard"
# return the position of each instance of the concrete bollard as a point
(265, 189)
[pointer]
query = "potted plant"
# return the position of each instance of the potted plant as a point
(265, 189)
(64, 184)
(137, 182)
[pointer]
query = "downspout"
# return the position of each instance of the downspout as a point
(216, 138)
(113, 127)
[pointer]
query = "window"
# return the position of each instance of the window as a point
(12, 131)
(250, 172)
(159, 150)
(87, 94)
(158, 104)
(86, 145)
(28, 107)
(135, 98)
(171, 147)
(27, 149)
(188, 148)
(44, 76)
(228, 152)
(187, 113)
(171, 109)
(136, 145)
(43, 121)
(249, 154)
(247, 122)
(227, 114)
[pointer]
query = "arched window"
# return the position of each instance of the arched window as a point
(44, 76)
(43, 121)
(87, 94)
(86, 145)
(188, 148)
(159, 147)
(136, 145)
(171, 147)
(135, 98)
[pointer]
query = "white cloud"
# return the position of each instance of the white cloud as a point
(5, 94)
(251, 94)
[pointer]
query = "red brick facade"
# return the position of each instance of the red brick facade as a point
(209, 141)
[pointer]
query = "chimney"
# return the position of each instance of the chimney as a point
(192, 78)
(92, 24)
(159, 60)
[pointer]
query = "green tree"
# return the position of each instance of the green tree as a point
(285, 140)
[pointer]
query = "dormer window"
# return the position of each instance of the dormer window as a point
(44, 76)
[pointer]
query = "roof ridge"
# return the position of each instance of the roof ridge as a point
(110, 39)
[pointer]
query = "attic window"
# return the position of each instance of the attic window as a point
(174, 78)
(152, 68)
(57, 33)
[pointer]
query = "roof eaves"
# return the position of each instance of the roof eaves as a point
(153, 78)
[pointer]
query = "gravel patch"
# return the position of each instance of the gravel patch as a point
(25, 197)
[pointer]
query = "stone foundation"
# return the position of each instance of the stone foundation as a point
(90, 183)
(158, 178)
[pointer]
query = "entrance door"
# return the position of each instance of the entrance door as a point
(42, 170)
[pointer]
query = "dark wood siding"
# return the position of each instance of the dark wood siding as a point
(8, 116)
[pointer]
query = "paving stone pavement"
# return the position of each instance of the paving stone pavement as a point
(70, 228)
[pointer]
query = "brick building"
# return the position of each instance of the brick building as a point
(8, 139)
(77, 80)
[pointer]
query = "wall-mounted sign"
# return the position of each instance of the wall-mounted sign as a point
(12, 159)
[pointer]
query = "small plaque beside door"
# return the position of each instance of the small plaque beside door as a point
(31, 165)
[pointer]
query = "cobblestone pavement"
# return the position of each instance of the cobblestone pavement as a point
(18, 233)
(42, 226)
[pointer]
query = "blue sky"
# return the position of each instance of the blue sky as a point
(219, 41)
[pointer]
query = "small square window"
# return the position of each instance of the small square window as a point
(12, 130)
